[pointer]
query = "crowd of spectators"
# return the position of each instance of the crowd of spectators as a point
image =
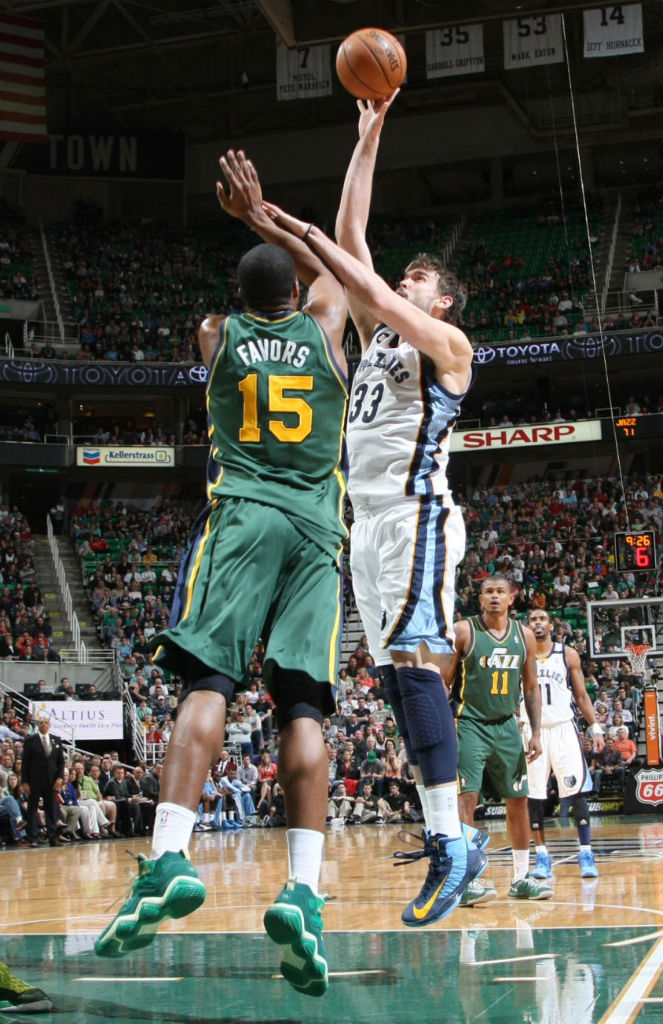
(553, 541)
(26, 632)
(138, 293)
(646, 251)
(17, 277)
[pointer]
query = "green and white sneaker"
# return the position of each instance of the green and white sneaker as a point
(294, 922)
(530, 888)
(18, 997)
(477, 892)
(165, 887)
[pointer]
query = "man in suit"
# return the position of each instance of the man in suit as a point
(42, 772)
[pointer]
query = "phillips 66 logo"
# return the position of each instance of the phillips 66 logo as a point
(650, 786)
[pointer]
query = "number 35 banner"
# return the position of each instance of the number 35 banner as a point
(613, 31)
(533, 40)
(454, 50)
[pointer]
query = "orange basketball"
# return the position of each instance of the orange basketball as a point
(371, 63)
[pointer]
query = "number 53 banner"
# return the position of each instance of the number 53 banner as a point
(533, 40)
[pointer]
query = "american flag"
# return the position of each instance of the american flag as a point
(22, 85)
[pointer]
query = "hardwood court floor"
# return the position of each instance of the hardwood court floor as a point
(591, 955)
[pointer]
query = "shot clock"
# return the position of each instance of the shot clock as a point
(635, 550)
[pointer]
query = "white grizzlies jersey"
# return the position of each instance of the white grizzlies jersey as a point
(556, 693)
(399, 426)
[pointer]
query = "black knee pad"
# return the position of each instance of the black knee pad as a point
(580, 810)
(296, 695)
(535, 808)
(198, 676)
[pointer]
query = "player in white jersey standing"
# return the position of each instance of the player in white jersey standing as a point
(562, 685)
(408, 536)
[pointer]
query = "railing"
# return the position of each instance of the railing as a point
(51, 281)
(611, 252)
(134, 727)
(62, 335)
(447, 251)
(23, 704)
(8, 349)
(72, 618)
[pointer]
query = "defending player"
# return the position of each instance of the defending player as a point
(562, 686)
(265, 565)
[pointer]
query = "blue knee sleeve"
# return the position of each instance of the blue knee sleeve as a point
(430, 724)
(394, 699)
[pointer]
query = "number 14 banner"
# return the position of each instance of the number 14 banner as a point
(613, 31)
(533, 40)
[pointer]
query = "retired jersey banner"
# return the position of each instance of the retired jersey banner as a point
(533, 40)
(614, 30)
(302, 73)
(455, 50)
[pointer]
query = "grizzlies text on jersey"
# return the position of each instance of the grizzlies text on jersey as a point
(399, 425)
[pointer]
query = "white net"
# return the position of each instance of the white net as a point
(637, 656)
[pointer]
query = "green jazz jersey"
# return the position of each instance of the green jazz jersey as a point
(276, 407)
(490, 672)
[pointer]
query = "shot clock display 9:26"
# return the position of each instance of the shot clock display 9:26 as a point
(635, 550)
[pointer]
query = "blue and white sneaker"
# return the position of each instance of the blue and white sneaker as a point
(543, 866)
(588, 868)
(453, 863)
(475, 835)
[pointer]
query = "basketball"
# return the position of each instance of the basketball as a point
(371, 63)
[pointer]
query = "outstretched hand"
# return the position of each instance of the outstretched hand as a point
(372, 114)
(296, 227)
(245, 194)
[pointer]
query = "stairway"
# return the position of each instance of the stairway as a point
(47, 581)
(74, 576)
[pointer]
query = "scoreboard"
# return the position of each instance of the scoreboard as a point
(635, 551)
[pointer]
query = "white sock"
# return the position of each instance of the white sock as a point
(543, 850)
(423, 796)
(520, 864)
(305, 848)
(585, 849)
(173, 825)
(443, 810)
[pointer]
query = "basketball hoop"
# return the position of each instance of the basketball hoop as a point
(637, 656)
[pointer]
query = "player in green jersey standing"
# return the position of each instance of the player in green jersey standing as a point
(265, 564)
(495, 654)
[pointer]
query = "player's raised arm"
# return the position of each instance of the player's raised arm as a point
(326, 299)
(443, 342)
(353, 211)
